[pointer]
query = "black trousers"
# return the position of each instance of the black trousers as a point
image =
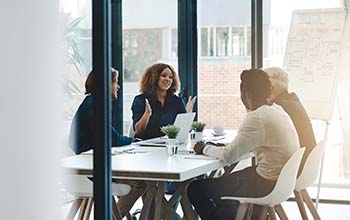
(205, 194)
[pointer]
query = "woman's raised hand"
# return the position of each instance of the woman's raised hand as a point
(190, 103)
(148, 109)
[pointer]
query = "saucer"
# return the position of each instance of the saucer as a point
(216, 135)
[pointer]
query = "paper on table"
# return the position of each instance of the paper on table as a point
(114, 150)
(199, 157)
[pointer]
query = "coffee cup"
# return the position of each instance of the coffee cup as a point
(218, 130)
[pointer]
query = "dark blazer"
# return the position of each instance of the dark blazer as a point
(292, 105)
(82, 132)
(161, 115)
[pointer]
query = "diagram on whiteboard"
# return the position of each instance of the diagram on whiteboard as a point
(312, 55)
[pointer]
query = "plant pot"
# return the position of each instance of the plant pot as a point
(198, 136)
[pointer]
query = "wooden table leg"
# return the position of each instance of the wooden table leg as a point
(189, 213)
(159, 200)
(163, 207)
(116, 211)
(148, 199)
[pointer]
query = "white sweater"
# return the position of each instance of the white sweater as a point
(269, 133)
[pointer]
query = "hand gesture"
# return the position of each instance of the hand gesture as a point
(198, 147)
(148, 109)
(190, 103)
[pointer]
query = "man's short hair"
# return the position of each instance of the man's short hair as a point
(278, 77)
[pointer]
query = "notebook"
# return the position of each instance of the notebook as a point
(183, 121)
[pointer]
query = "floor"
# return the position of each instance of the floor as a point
(326, 211)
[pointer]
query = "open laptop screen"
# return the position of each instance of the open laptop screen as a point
(183, 121)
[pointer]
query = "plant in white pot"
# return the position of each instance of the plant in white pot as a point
(198, 127)
(171, 131)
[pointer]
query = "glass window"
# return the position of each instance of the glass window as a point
(140, 49)
(78, 54)
(238, 41)
(336, 163)
(224, 44)
(173, 52)
(204, 42)
(222, 41)
(149, 36)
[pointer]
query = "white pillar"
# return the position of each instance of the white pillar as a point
(30, 109)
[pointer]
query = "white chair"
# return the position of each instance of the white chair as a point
(283, 189)
(307, 177)
(82, 189)
(131, 132)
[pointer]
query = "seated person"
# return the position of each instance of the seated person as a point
(82, 130)
(82, 137)
(158, 104)
(292, 105)
(267, 131)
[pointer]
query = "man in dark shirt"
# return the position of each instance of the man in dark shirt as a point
(292, 105)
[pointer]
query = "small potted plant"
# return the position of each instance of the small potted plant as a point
(198, 127)
(171, 132)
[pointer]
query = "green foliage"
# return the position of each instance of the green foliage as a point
(73, 78)
(198, 126)
(71, 50)
(171, 131)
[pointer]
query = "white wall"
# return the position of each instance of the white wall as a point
(30, 115)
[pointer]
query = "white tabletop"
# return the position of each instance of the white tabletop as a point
(153, 163)
(147, 163)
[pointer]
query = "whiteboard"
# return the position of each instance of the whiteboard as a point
(312, 58)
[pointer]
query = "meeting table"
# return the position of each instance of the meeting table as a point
(155, 167)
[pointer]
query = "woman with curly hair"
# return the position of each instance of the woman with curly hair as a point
(158, 103)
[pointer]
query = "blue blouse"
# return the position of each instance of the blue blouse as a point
(82, 132)
(161, 115)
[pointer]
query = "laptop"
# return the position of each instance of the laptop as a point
(183, 121)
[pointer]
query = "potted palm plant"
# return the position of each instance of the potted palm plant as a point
(171, 131)
(198, 127)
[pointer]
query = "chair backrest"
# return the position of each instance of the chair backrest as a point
(311, 167)
(131, 132)
(81, 186)
(286, 180)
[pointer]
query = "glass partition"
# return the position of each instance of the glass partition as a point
(149, 36)
(336, 169)
(224, 41)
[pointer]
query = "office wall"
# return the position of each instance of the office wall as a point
(30, 131)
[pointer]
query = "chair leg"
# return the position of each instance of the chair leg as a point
(74, 209)
(116, 212)
(263, 213)
(88, 208)
(272, 213)
(300, 202)
(82, 209)
(249, 212)
(310, 204)
(241, 211)
(280, 212)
